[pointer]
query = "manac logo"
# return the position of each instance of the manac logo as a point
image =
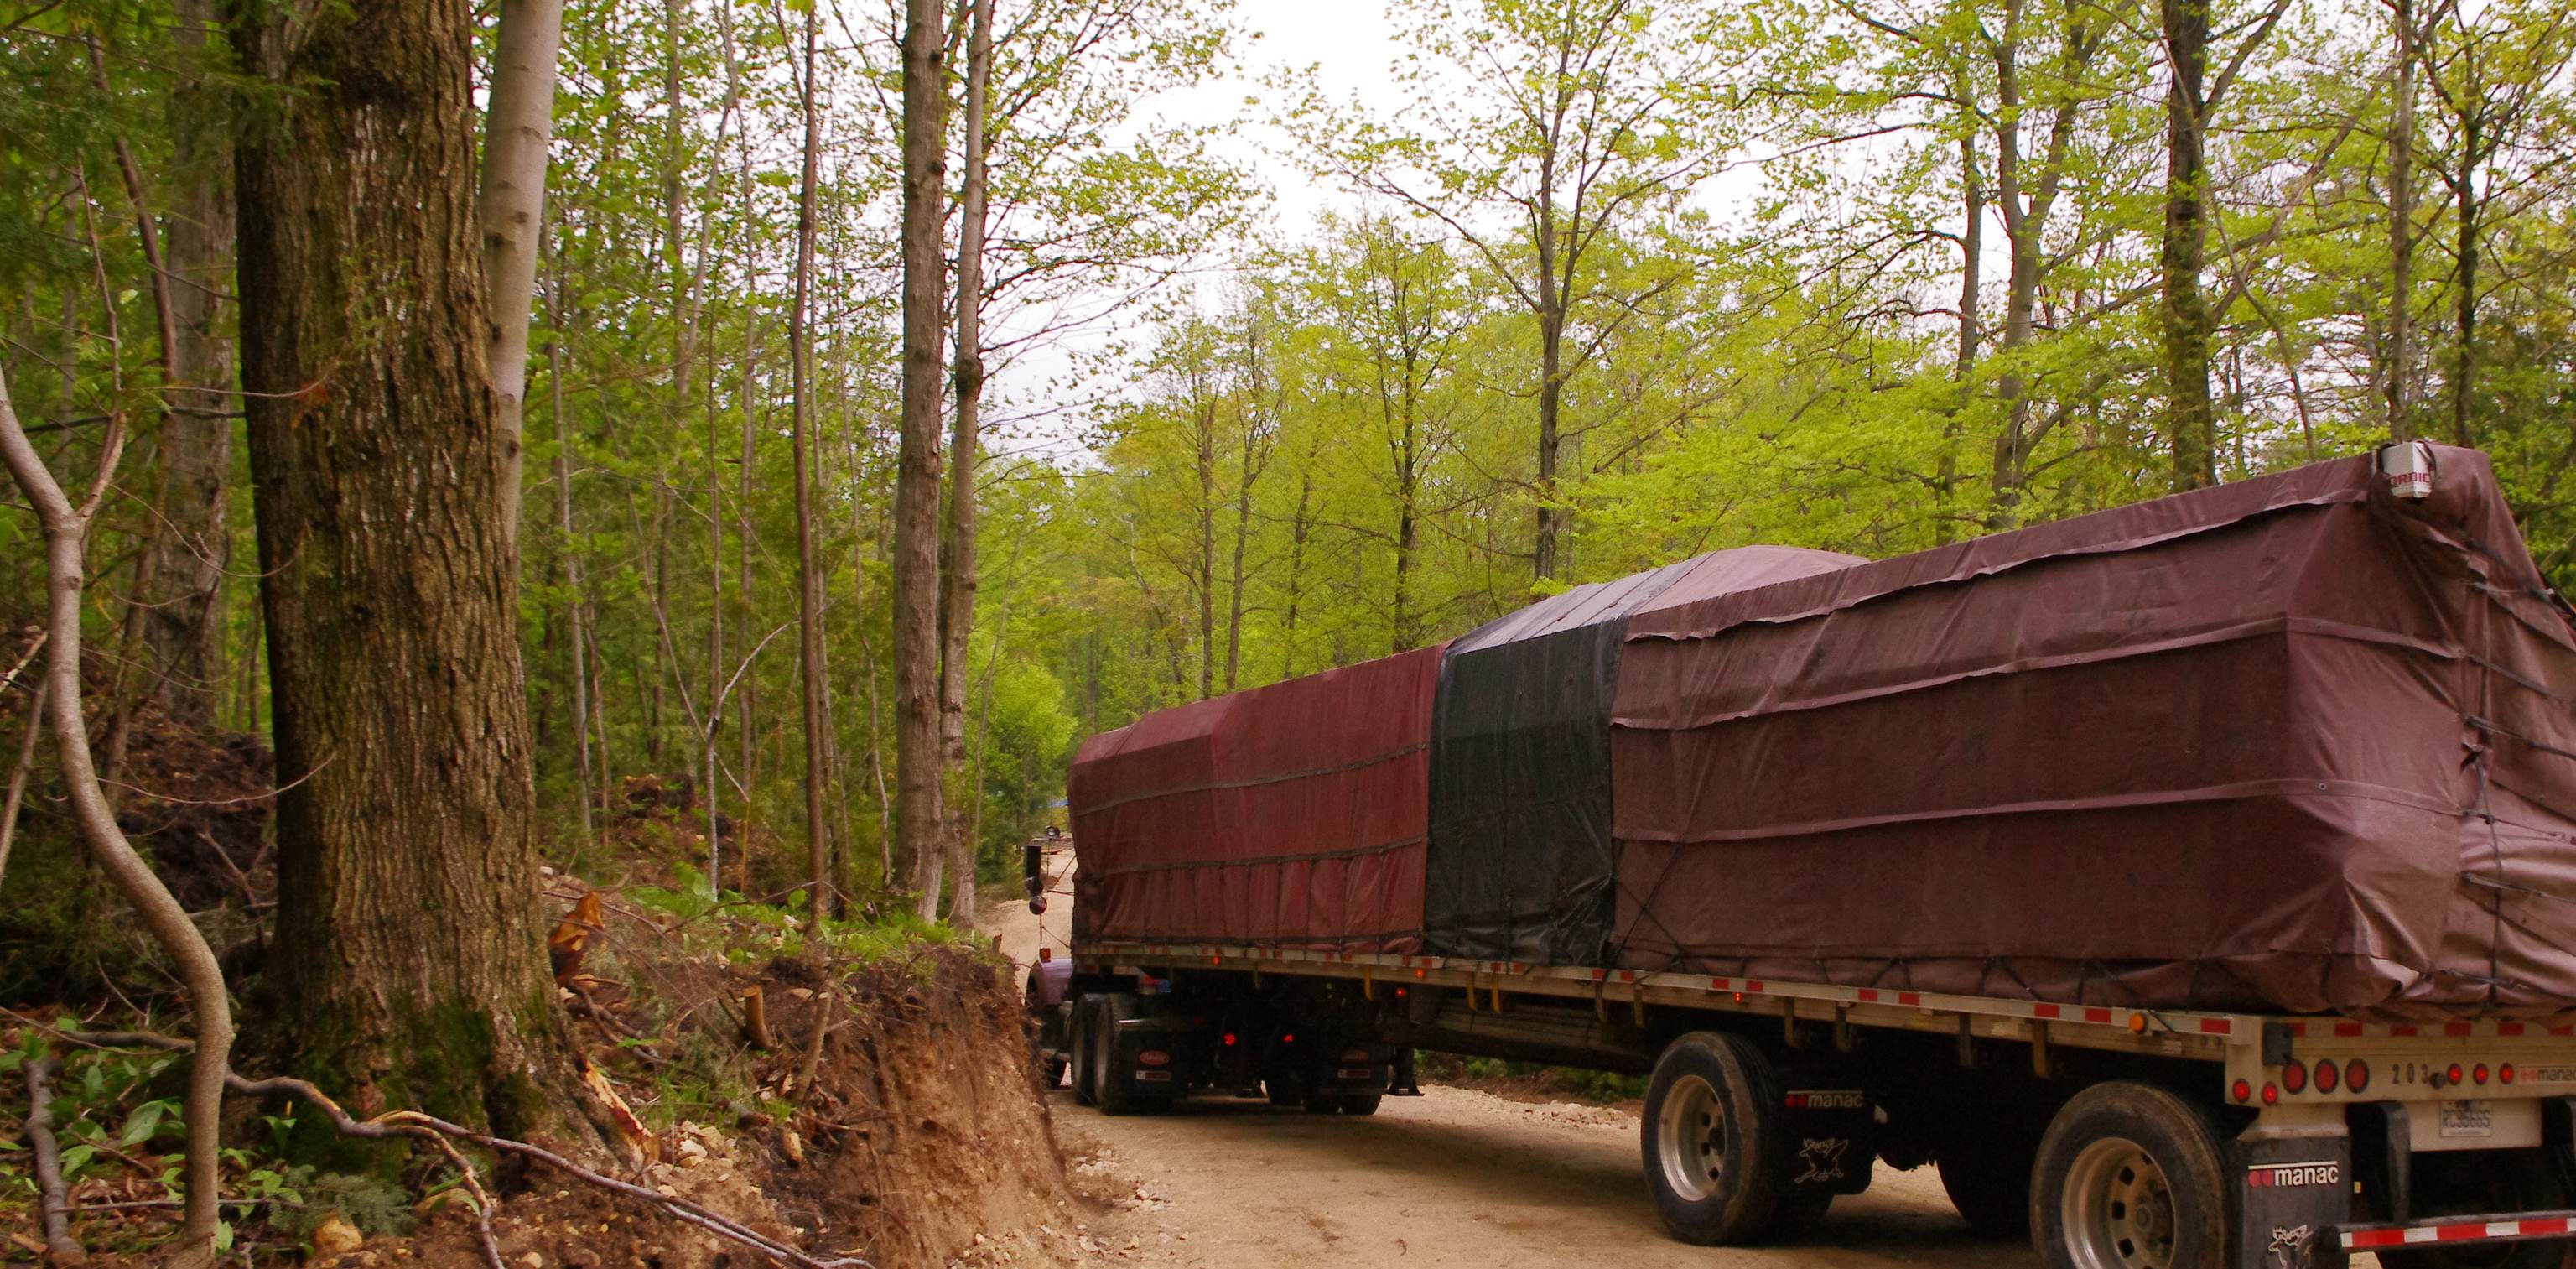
(1825, 1099)
(2280, 1176)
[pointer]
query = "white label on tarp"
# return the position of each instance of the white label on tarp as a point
(2468, 1119)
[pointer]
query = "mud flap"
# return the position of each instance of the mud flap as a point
(2292, 1191)
(1832, 1137)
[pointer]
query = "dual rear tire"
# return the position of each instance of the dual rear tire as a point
(2130, 1176)
(1713, 1141)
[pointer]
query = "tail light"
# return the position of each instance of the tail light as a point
(2505, 1072)
(1229, 1039)
(1154, 1057)
(1290, 1038)
(2356, 1075)
(2479, 1072)
(1045, 954)
(2294, 1077)
(2328, 1075)
(2271, 1094)
(2452, 1076)
(2244, 1092)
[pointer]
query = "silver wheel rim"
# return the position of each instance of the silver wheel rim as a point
(2118, 1208)
(1690, 1138)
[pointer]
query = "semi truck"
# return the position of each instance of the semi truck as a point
(2192, 884)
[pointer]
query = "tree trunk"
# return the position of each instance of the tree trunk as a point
(2398, 362)
(581, 717)
(1205, 413)
(809, 596)
(2465, 361)
(1963, 367)
(408, 931)
(916, 496)
(2192, 424)
(1551, 392)
(520, 125)
(189, 546)
(957, 550)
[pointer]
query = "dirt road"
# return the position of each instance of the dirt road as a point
(1455, 1177)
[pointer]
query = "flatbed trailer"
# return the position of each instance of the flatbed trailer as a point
(2298, 746)
(2117, 1136)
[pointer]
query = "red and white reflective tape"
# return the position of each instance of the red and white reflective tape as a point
(2369, 1238)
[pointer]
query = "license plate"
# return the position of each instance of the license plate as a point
(1357, 1073)
(2468, 1119)
(1154, 1076)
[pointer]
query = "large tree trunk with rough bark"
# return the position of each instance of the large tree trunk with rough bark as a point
(409, 956)
(916, 487)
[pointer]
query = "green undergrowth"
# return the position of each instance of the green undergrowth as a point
(746, 933)
(119, 1118)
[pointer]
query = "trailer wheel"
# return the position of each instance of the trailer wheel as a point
(1078, 1041)
(2472, 1183)
(1116, 1075)
(1987, 1175)
(1712, 1142)
(2129, 1177)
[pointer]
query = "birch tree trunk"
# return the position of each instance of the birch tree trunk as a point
(519, 127)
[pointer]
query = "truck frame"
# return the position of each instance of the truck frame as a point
(2118, 1137)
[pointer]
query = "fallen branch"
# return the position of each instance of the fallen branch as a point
(60, 1246)
(473, 1187)
(412, 1123)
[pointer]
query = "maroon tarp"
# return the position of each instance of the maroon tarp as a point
(2288, 744)
(1291, 814)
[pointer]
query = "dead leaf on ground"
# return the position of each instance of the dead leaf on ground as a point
(571, 936)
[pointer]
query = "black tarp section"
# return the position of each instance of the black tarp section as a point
(1521, 864)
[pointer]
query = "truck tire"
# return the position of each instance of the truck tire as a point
(1361, 1103)
(1987, 1175)
(1713, 1149)
(1115, 1075)
(2129, 1177)
(2468, 1185)
(1086, 1088)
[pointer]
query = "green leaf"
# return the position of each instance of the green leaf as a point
(145, 1121)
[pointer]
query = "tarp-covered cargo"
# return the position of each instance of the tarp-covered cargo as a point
(2288, 744)
(1521, 865)
(1289, 815)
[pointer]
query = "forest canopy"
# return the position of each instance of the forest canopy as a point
(1595, 286)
